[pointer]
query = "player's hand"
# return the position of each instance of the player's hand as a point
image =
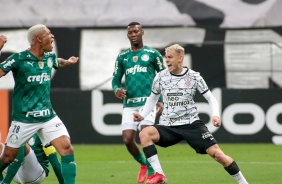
(73, 60)
(137, 117)
(3, 40)
(120, 93)
(216, 121)
(159, 108)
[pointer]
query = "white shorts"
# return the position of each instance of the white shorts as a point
(129, 123)
(20, 133)
(30, 171)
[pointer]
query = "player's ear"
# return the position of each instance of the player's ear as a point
(180, 58)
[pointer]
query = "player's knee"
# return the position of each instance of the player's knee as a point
(128, 141)
(65, 149)
(143, 135)
(7, 159)
(221, 158)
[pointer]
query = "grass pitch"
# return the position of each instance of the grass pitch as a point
(112, 164)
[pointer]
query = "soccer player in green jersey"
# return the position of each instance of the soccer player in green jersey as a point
(32, 163)
(139, 64)
(32, 111)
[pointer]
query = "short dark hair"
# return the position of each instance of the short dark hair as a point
(133, 23)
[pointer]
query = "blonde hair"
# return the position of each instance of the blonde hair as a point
(34, 31)
(177, 48)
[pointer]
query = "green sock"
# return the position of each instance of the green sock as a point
(15, 165)
(1, 170)
(140, 159)
(56, 165)
(68, 169)
(1, 175)
(143, 161)
(151, 171)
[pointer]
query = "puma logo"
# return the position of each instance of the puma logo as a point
(30, 63)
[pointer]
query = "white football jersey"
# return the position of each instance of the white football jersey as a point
(178, 92)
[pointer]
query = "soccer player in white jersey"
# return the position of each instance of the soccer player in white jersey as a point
(179, 120)
(32, 111)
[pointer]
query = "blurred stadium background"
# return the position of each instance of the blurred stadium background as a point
(236, 45)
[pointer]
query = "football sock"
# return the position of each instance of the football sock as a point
(152, 157)
(235, 172)
(56, 165)
(140, 159)
(15, 165)
(68, 169)
(151, 171)
(1, 175)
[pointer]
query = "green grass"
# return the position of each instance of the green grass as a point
(107, 164)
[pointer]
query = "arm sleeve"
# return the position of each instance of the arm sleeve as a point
(117, 75)
(14, 166)
(56, 165)
(10, 63)
(150, 104)
(56, 62)
(212, 103)
(159, 63)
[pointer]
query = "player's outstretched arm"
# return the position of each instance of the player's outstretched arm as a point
(71, 61)
(3, 40)
(2, 73)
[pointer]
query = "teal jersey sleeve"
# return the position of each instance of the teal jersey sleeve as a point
(56, 61)
(118, 73)
(10, 63)
(158, 62)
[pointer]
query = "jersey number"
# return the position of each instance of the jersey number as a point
(16, 129)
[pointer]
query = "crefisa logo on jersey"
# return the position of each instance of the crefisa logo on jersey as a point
(49, 62)
(41, 64)
(145, 57)
(135, 58)
(14, 138)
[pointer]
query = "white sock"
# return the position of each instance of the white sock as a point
(155, 163)
(240, 178)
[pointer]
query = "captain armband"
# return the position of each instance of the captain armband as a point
(49, 150)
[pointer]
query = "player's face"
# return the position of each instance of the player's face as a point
(173, 61)
(134, 34)
(47, 39)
